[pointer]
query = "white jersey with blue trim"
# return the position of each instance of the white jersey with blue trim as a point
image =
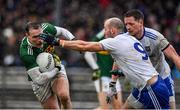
(131, 57)
(154, 43)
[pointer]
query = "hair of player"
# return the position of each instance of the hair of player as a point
(137, 14)
(116, 22)
(31, 25)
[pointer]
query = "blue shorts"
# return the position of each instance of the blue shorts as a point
(170, 85)
(155, 96)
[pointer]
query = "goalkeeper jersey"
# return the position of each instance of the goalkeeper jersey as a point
(104, 59)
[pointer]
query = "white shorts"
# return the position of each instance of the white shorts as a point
(102, 84)
(43, 92)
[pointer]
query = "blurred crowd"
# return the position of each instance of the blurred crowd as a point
(84, 18)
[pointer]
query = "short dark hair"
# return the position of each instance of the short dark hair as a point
(137, 14)
(29, 25)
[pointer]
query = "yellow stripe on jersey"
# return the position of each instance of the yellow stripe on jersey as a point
(103, 52)
(50, 49)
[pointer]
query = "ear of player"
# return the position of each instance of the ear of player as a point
(49, 39)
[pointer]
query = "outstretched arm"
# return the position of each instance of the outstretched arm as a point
(81, 45)
(171, 53)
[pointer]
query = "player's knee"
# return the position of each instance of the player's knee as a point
(65, 98)
(63, 95)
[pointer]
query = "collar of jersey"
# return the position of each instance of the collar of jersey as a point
(143, 34)
(29, 42)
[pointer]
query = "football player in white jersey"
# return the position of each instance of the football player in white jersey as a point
(156, 46)
(131, 57)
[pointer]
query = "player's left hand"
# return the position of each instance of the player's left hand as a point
(96, 75)
(51, 40)
(112, 92)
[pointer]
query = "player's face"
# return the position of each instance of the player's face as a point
(133, 26)
(34, 37)
(107, 30)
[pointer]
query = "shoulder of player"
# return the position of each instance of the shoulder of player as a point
(24, 40)
(25, 49)
(123, 36)
(152, 34)
(23, 44)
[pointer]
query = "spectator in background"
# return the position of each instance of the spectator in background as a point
(10, 55)
(76, 58)
(14, 13)
(152, 22)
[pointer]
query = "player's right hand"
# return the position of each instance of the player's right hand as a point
(96, 74)
(57, 62)
(49, 39)
(112, 92)
(117, 72)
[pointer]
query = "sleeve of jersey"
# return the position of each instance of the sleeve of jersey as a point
(29, 61)
(163, 42)
(41, 78)
(49, 28)
(99, 36)
(108, 44)
(91, 60)
(64, 32)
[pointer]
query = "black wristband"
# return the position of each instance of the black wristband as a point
(58, 67)
(112, 83)
(56, 42)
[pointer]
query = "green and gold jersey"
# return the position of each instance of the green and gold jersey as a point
(28, 53)
(104, 59)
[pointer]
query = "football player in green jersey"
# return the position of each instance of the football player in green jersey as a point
(51, 86)
(102, 66)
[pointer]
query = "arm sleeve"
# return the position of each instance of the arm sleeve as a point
(64, 32)
(91, 60)
(108, 44)
(99, 35)
(162, 42)
(57, 31)
(41, 78)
